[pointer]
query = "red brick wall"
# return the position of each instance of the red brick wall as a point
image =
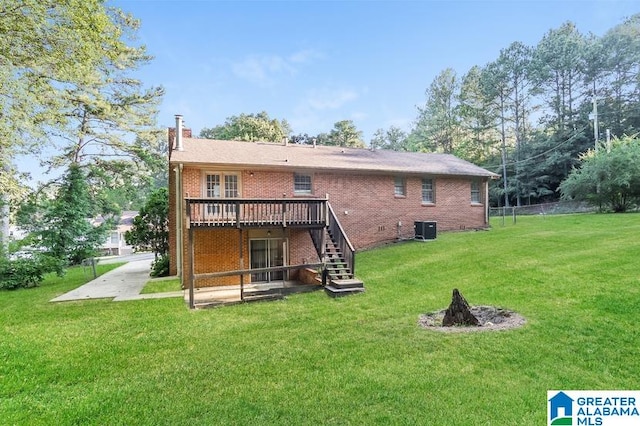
(372, 210)
(371, 214)
(218, 251)
(365, 205)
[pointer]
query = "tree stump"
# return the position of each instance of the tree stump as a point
(458, 312)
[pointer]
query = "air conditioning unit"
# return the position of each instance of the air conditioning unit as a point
(425, 230)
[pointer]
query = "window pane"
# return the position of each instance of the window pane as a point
(230, 186)
(427, 191)
(475, 192)
(213, 186)
(302, 183)
(400, 188)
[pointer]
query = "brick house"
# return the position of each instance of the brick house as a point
(114, 243)
(261, 212)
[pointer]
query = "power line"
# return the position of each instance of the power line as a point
(570, 139)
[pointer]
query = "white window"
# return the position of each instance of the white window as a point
(212, 188)
(400, 186)
(231, 189)
(301, 183)
(428, 195)
(475, 192)
(220, 185)
(215, 183)
(115, 237)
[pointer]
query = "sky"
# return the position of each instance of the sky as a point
(314, 63)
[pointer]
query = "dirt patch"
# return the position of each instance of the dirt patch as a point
(489, 317)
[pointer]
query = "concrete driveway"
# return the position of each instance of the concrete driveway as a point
(122, 283)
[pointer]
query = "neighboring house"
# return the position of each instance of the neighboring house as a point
(115, 244)
(262, 212)
(16, 233)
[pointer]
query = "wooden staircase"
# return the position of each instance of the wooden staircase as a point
(340, 278)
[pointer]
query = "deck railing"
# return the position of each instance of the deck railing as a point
(341, 240)
(253, 212)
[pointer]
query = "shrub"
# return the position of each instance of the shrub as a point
(23, 273)
(160, 266)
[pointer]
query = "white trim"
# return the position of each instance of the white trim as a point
(222, 174)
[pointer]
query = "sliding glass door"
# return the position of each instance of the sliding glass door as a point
(266, 253)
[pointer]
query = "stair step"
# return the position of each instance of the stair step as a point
(347, 283)
(340, 292)
(339, 272)
(337, 267)
(340, 277)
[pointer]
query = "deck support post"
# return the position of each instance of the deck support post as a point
(192, 277)
(241, 265)
(323, 253)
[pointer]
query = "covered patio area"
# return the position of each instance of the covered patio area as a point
(211, 297)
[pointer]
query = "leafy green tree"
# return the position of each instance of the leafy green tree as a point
(516, 63)
(64, 77)
(495, 86)
(558, 70)
(437, 126)
(477, 119)
(249, 127)
(62, 225)
(345, 133)
(301, 139)
(608, 179)
(393, 138)
(151, 225)
(110, 125)
(619, 50)
(12, 190)
(47, 46)
(132, 184)
(492, 111)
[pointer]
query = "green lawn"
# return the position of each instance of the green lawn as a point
(162, 285)
(361, 359)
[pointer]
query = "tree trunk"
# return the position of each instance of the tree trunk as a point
(458, 312)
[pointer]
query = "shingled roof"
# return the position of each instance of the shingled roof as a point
(264, 155)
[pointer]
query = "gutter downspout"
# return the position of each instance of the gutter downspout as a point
(179, 220)
(486, 202)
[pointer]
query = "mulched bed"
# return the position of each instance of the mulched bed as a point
(490, 318)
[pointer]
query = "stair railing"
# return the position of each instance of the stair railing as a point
(341, 240)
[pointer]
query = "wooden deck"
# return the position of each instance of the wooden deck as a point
(211, 297)
(255, 213)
